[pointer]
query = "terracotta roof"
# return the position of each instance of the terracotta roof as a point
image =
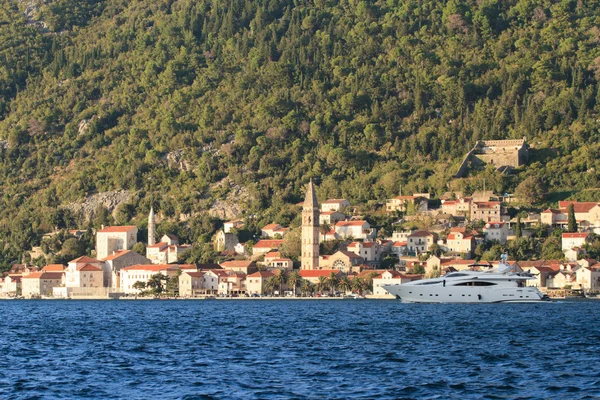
(151, 267)
(281, 259)
(578, 207)
(88, 267)
(268, 244)
(315, 273)
(270, 227)
(349, 254)
(236, 264)
(395, 274)
(399, 244)
(273, 254)
(404, 197)
(117, 229)
(158, 245)
(116, 254)
(575, 235)
(43, 275)
(261, 274)
(184, 267)
(551, 211)
(84, 260)
(350, 223)
(53, 268)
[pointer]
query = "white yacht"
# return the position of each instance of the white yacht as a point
(469, 286)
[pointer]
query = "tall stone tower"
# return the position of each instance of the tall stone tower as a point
(151, 228)
(310, 230)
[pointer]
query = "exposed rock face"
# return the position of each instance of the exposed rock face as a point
(84, 126)
(110, 200)
(234, 204)
(175, 160)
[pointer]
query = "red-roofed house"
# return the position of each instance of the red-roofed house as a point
(72, 276)
(53, 268)
(12, 285)
(269, 231)
(391, 278)
(233, 285)
(416, 203)
(459, 207)
(586, 213)
(265, 246)
(334, 205)
(461, 243)
(255, 283)
(245, 266)
(331, 217)
(164, 253)
(370, 251)
(420, 241)
(496, 231)
(588, 278)
(40, 283)
(399, 248)
(575, 239)
(486, 211)
(114, 238)
(275, 260)
(355, 230)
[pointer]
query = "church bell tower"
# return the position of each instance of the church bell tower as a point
(151, 228)
(310, 230)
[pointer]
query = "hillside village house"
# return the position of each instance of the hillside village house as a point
(245, 266)
(270, 230)
(460, 241)
(588, 278)
(417, 202)
(575, 239)
(166, 251)
(12, 285)
(334, 205)
(113, 238)
(330, 217)
(264, 246)
(255, 283)
(496, 231)
(420, 241)
(236, 224)
(275, 260)
(586, 214)
(225, 241)
(212, 278)
(40, 283)
(486, 211)
(143, 273)
(355, 230)
(370, 251)
(399, 248)
(458, 207)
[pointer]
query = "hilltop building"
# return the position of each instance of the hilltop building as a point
(112, 238)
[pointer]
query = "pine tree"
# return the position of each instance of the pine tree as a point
(571, 222)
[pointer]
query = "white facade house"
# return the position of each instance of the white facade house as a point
(114, 238)
(40, 283)
(390, 278)
(334, 204)
(354, 229)
(164, 253)
(420, 241)
(496, 231)
(331, 217)
(272, 230)
(574, 239)
(370, 251)
(143, 273)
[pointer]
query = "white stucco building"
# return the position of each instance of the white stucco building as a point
(113, 238)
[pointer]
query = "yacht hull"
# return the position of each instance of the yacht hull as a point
(456, 294)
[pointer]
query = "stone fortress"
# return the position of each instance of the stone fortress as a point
(502, 154)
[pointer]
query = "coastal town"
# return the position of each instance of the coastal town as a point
(359, 261)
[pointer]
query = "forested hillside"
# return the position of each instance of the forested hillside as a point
(181, 102)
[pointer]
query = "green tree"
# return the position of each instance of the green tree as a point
(157, 283)
(139, 248)
(518, 227)
(333, 281)
(294, 280)
(571, 221)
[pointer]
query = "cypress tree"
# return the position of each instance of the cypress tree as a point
(571, 222)
(518, 227)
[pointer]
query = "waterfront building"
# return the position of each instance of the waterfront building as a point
(255, 283)
(191, 283)
(391, 277)
(310, 230)
(118, 260)
(143, 273)
(39, 284)
(243, 266)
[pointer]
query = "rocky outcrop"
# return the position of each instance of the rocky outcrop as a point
(233, 205)
(175, 160)
(110, 201)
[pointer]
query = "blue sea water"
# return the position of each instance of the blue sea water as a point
(269, 349)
